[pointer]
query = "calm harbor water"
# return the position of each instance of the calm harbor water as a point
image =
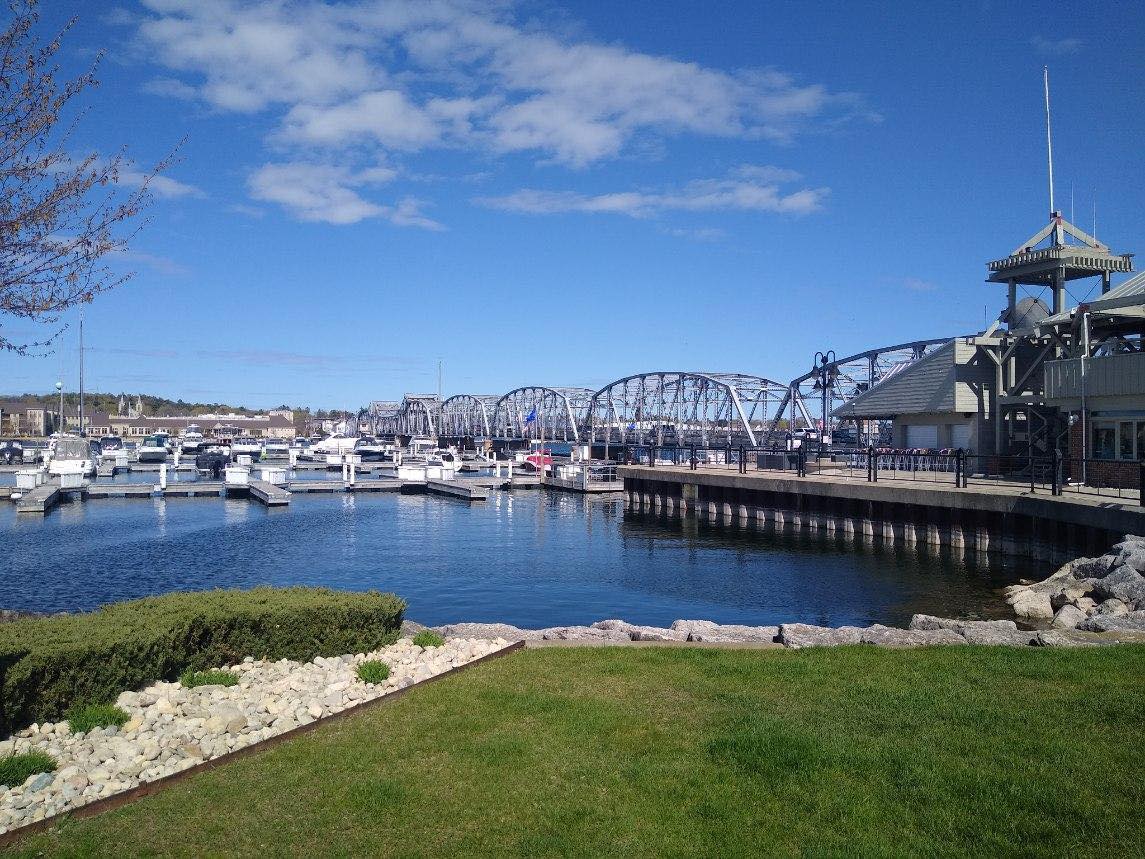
(531, 559)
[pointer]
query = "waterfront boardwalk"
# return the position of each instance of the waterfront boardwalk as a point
(987, 515)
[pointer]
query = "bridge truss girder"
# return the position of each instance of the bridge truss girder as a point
(559, 414)
(468, 416)
(844, 379)
(683, 408)
(415, 415)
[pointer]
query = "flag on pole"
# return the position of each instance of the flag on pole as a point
(531, 416)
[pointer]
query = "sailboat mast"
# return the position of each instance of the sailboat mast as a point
(81, 432)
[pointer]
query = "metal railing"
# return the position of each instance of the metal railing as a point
(1051, 473)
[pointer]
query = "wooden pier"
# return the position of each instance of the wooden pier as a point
(268, 493)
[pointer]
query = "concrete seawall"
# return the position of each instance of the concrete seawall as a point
(986, 519)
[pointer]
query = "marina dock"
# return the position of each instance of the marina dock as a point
(269, 494)
(467, 490)
(41, 499)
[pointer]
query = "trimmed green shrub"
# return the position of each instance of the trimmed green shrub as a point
(191, 679)
(15, 769)
(373, 671)
(83, 719)
(428, 638)
(48, 664)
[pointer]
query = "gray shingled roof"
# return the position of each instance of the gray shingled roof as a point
(923, 386)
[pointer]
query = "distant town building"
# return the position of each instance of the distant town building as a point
(211, 425)
(26, 419)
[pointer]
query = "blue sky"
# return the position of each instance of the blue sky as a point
(568, 193)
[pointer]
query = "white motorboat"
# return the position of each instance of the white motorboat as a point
(276, 448)
(246, 446)
(335, 444)
(192, 440)
(153, 448)
(71, 455)
(370, 449)
(442, 463)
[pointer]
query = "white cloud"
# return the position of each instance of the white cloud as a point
(251, 55)
(312, 192)
(917, 284)
(160, 185)
(411, 74)
(387, 117)
(170, 88)
(407, 213)
(329, 194)
(1056, 47)
(741, 191)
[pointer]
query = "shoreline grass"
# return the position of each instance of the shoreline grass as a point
(674, 751)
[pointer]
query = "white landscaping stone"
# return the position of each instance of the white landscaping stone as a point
(171, 729)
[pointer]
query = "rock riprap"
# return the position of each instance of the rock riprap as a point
(1086, 593)
(172, 728)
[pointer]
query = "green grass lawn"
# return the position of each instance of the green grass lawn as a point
(649, 752)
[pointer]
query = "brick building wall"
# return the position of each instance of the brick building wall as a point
(1125, 474)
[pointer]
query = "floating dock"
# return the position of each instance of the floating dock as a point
(466, 490)
(41, 499)
(268, 493)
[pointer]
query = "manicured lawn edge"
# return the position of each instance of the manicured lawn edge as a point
(152, 787)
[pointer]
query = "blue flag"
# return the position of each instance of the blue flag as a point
(531, 416)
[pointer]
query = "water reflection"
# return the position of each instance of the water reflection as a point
(532, 559)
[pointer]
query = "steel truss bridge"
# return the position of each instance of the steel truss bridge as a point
(684, 408)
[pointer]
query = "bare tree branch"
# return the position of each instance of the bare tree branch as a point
(60, 217)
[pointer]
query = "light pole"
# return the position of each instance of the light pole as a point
(824, 368)
(60, 391)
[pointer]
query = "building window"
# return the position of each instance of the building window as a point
(1124, 440)
(1104, 441)
(1126, 436)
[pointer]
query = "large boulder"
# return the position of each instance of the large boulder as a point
(995, 635)
(1125, 584)
(584, 633)
(488, 631)
(1084, 638)
(1031, 604)
(1113, 608)
(928, 621)
(1132, 556)
(640, 633)
(1133, 621)
(706, 630)
(889, 636)
(1067, 638)
(1093, 568)
(1073, 592)
(797, 635)
(1068, 617)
